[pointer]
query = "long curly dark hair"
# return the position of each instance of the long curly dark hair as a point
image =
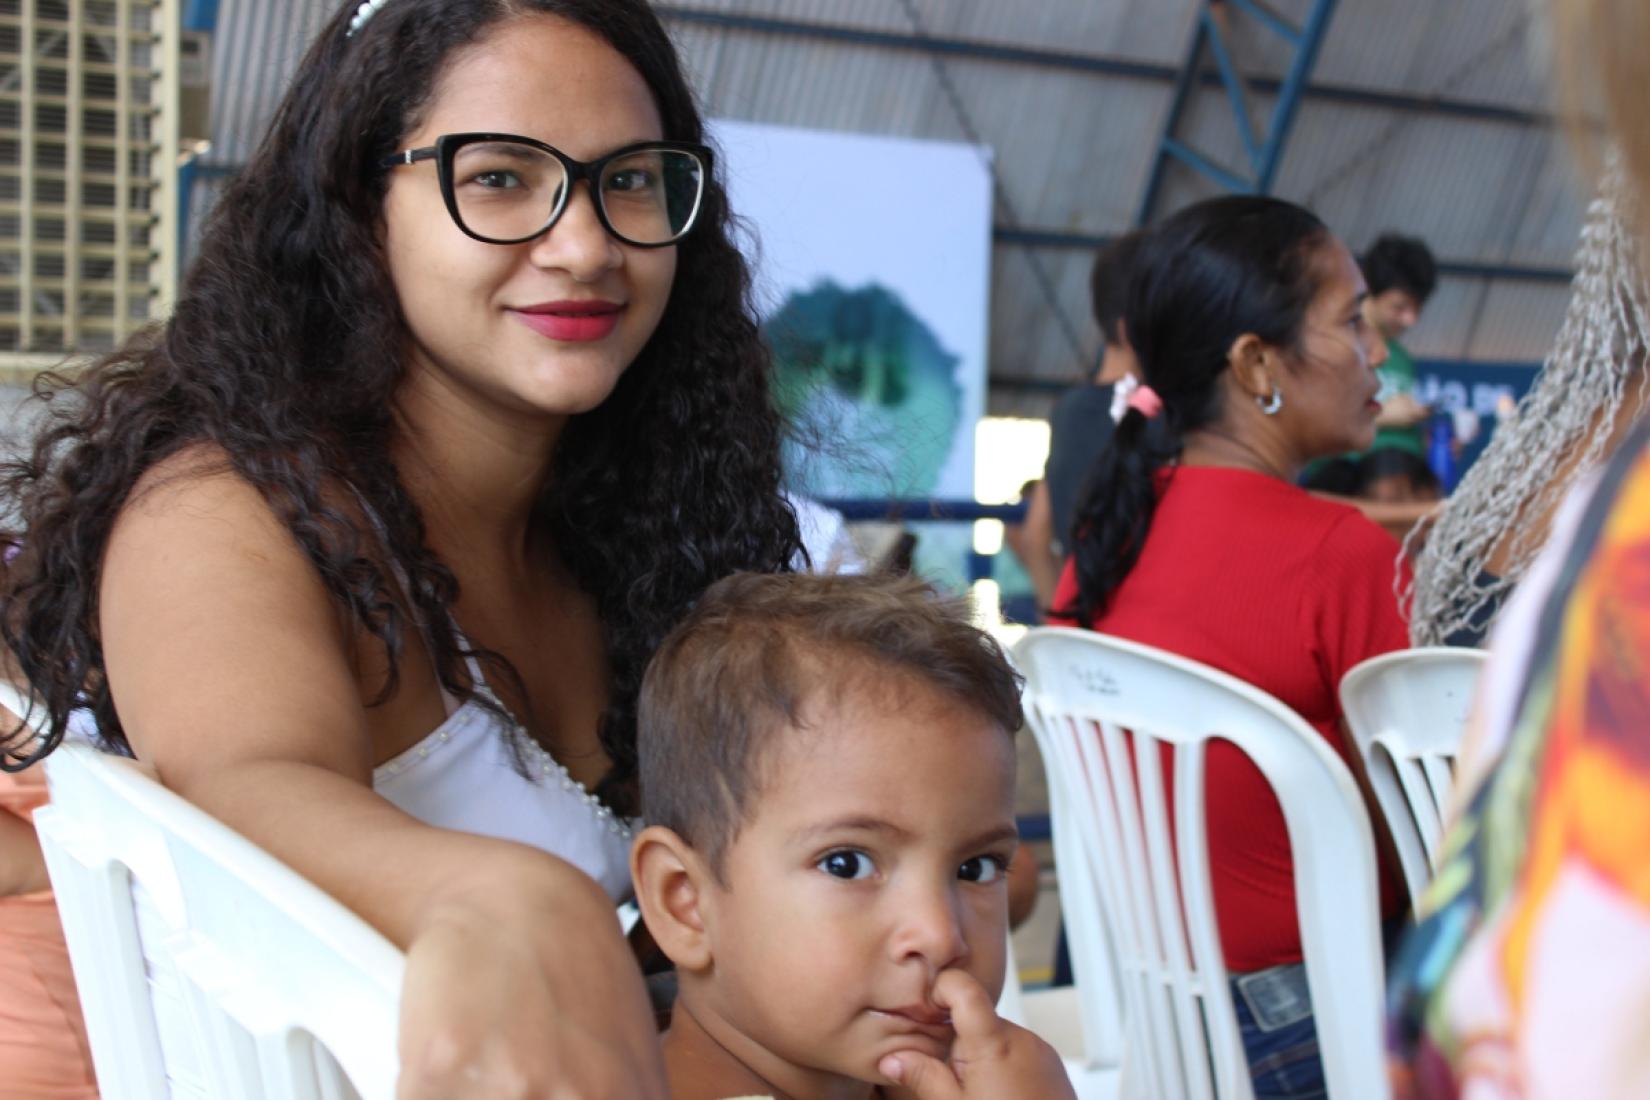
(287, 346)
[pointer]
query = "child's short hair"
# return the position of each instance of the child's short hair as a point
(741, 666)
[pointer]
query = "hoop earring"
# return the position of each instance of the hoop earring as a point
(1271, 405)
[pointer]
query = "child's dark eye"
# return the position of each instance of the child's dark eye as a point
(847, 865)
(981, 869)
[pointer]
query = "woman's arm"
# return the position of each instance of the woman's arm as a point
(235, 680)
(22, 866)
(1032, 541)
(1401, 410)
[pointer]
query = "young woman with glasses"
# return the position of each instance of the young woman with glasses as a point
(366, 548)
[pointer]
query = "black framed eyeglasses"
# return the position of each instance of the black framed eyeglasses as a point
(506, 189)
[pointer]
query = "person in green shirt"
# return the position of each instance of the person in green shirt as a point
(1401, 274)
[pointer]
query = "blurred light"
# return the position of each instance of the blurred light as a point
(988, 536)
(987, 600)
(1008, 452)
(1009, 634)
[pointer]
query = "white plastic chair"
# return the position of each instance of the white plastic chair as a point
(1407, 712)
(205, 967)
(1085, 1025)
(1055, 1016)
(1097, 995)
(1084, 1022)
(1087, 698)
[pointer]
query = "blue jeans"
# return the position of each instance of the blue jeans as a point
(1274, 1013)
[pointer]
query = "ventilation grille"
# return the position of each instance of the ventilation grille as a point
(84, 250)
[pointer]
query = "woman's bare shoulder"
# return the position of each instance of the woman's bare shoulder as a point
(200, 479)
(208, 606)
(198, 492)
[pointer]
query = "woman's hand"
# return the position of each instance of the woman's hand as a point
(991, 1059)
(536, 1000)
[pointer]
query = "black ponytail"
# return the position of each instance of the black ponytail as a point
(1118, 497)
(1213, 272)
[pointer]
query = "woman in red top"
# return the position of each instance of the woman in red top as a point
(1246, 316)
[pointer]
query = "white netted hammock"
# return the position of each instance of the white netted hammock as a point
(1559, 432)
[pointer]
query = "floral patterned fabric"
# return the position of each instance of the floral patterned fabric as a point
(1528, 976)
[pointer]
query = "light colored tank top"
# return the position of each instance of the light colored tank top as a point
(465, 776)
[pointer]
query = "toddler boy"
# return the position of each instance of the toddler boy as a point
(827, 765)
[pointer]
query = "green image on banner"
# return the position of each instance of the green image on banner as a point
(863, 372)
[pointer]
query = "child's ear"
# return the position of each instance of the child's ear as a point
(671, 882)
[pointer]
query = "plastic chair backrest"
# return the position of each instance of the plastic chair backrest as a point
(205, 967)
(1093, 956)
(1102, 709)
(1101, 997)
(1407, 712)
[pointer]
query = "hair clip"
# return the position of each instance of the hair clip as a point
(1144, 400)
(366, 11)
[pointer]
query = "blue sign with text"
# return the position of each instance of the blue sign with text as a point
(1451, 385)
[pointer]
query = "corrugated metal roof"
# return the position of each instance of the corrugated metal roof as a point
(256, 49)
(1073, 147)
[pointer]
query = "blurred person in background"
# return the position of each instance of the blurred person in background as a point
(1332, 477)
(1082, 421)
(1402, 275)
(1392, 475)
(1528, 976)
(1247, 317)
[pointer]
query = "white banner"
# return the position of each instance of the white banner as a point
(873, 264)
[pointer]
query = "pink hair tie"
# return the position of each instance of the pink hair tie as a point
(1145, 401)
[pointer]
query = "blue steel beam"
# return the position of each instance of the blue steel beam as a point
(1279, 25)
(1209, 36)
(199, 16)
(1177, 106)
(1461, 269)
(878, 509)
(1201, 164)
(1093, 64)
(1235, 90)
(1289, 98)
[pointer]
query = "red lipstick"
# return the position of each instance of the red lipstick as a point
(573, 321)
